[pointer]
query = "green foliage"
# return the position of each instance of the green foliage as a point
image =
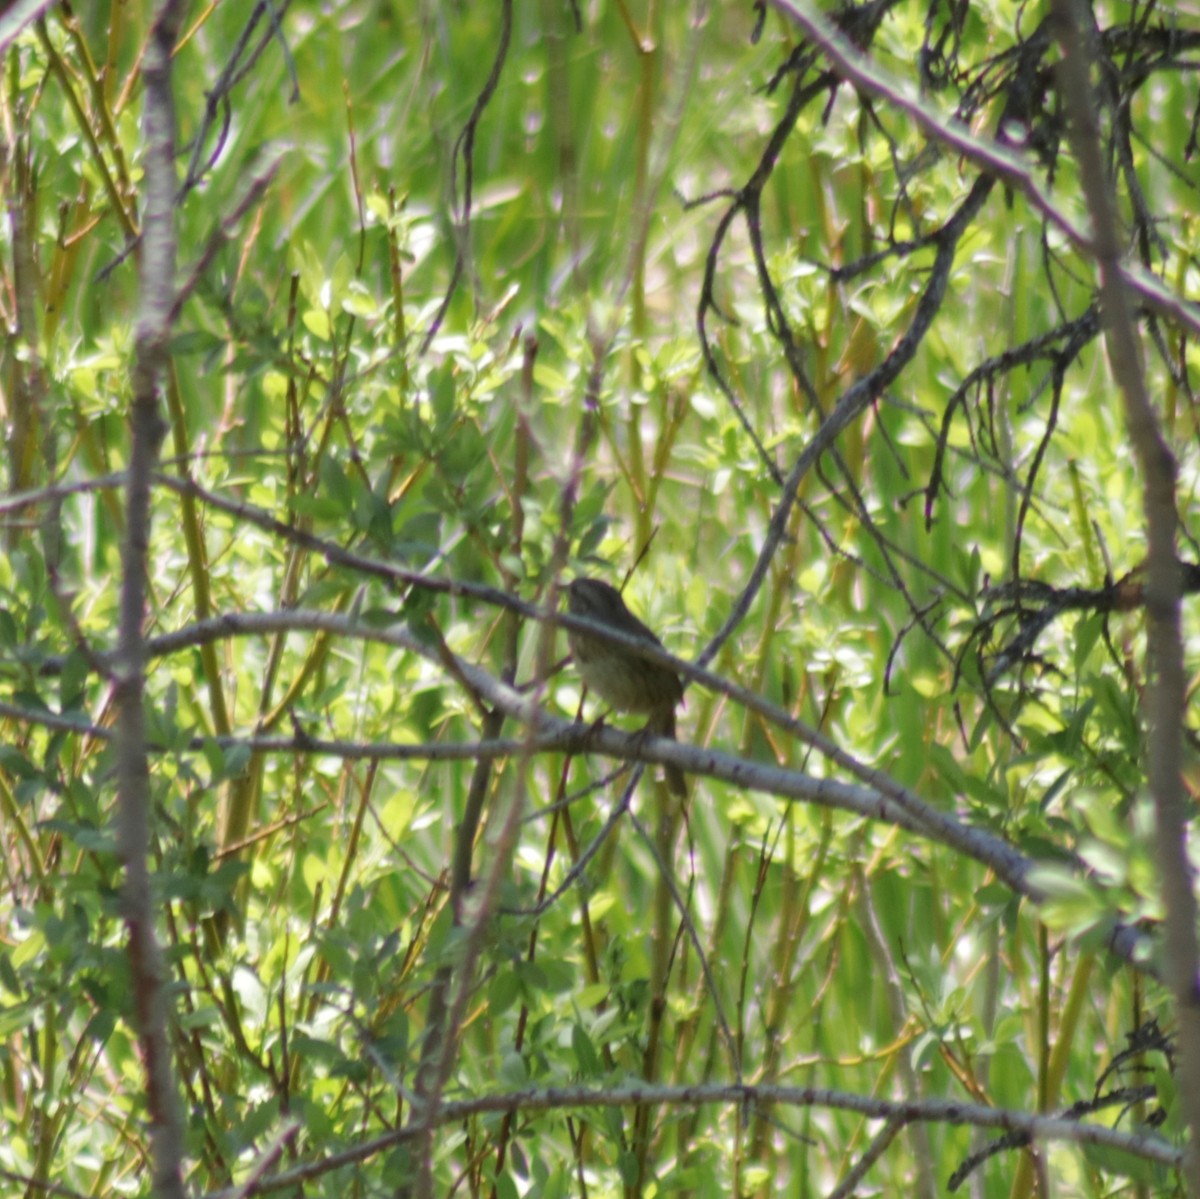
(564, 417)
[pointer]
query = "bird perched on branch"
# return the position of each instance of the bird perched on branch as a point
(621, 678)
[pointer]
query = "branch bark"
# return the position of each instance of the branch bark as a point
(133, 776)
(993, 159)
(1147, 1146)
(1166, 693)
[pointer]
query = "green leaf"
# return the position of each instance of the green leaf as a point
(506, 1188)
(16, 763)
(503, 992)
(1133, 1166)
(587, 1060)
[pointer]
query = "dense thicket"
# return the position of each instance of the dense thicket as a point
(856, 346)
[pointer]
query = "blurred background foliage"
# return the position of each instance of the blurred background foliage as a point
(558, 413)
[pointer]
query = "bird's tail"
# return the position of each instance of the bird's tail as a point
(676, 782)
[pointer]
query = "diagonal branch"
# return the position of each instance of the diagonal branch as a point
(994, 159)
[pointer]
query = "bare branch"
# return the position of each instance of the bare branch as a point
(879, 797)
(996, 160)
(1166, 698)
(1145, 1146)
(151, 360)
